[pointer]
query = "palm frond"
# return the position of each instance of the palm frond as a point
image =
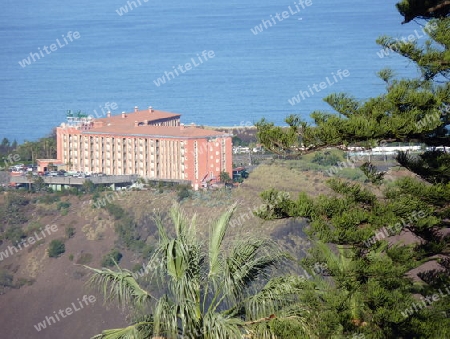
(136, 331)
(166, 318)
(218, 326)
(158, 219)
(120, 286)
(277, 293)
(216, 235)
(249, 260)
(183, 227)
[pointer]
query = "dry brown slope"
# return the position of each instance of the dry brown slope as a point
(58, 284)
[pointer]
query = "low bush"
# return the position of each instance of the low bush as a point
(48, 199)
(183, 193)
(354, 174)
(63, 204)
(111, 258)
(33, 226)
(70, 232)
(56, 248)
(326, 158)
(15, 234)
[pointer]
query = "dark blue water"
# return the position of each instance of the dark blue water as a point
(118, 58)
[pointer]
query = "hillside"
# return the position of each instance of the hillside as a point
(50, 284)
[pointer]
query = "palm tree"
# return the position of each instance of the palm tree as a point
(206, 290)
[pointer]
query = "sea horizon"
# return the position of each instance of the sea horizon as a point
(222, 64)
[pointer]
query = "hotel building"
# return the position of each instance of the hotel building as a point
(150, 143)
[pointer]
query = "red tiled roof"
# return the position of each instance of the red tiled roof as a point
(126, 126)
(130, 118)
(156, 131)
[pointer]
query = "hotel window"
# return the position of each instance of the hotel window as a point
(195, 160)
(223, 154)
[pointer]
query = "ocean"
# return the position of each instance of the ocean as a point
(217, 63)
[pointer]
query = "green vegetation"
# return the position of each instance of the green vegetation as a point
(56, 248)
(15, 234)
(48, 198)
(204, 291)
(184, 192)
(326, 158)
(371, 287)
(70, 232)
(11, 213)
(374, 282)
(126, 229)
(28, 152)
(112, 258)
(63, 205)
(224, 176)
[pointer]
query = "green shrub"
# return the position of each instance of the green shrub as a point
(12, 209)
(63, 204)
(15, 234)
(326, 158)
(183, 193)
(96, 196)
(70, 232)
(116, 211)
(110, 258)
(354, 174)
(56, 248)
(33, 226)
(48, 199)
(71, 257)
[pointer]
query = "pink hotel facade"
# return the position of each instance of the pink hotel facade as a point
(150, 143)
